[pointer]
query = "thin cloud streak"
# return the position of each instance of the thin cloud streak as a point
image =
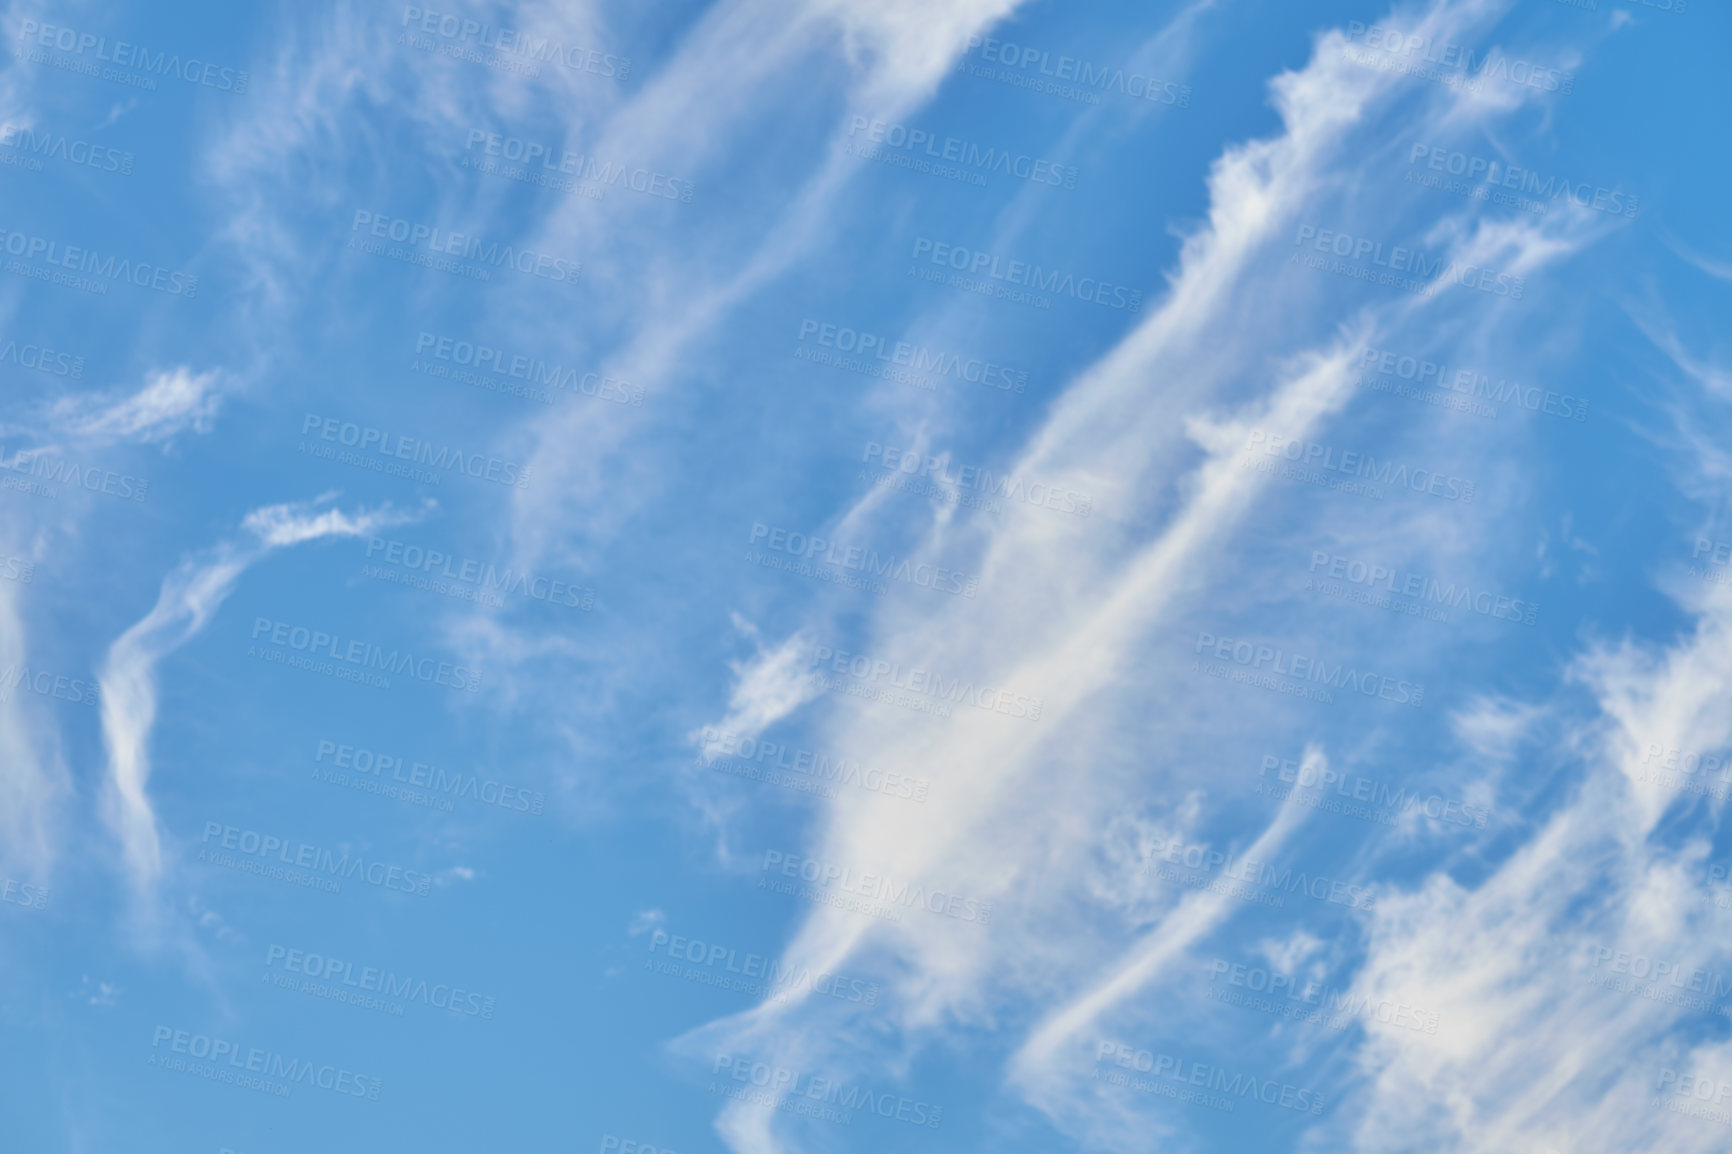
(190, 596)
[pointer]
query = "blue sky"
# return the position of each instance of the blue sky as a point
(821, 577)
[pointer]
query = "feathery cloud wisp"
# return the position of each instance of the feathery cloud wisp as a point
(190, 596)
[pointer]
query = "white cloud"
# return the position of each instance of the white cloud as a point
(1036, 1066)
(98, 993)
(1542, 1043)
(769, 686)
(190, 596)
(171, 402)
(732, 69)
(33, 778)
(644, 921)
(1153, 429)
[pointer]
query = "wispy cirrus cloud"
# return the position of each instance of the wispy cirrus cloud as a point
(189, 597)
(34, 780)
(172, 401)
(1008, 833)
(1557, 1037)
